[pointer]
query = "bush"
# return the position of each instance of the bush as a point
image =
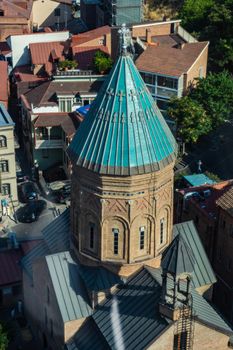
(67, 64)
(102, 62)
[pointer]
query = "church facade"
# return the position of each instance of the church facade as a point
(112, 272)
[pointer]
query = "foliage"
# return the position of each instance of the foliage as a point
(3, 339)
(102, 62)
(212, 176)
(67, 64)
(212, 20)
(191, 118)
(215, 94)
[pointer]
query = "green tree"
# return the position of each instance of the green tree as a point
(191, 119)
(215, 94)
(69, 64)
(3, 339)
(102, 62)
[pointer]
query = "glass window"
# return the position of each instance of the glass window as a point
(3, 142)
(149, 78)
(6, 189)
(115, 240)
(162, 222)
(180, 341)
(57, 12)
(4, 166)
(92, 226)
(142, 237)
(68, 106)
(170, 83)
(62, 105)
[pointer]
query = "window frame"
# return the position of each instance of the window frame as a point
(4, 166)
(161, 230)
(142, 238)
(115, 232)
(3, 141)
(8, 186)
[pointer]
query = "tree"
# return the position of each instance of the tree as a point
(67, 64)
(3, 339)
(215, 94)
(102, 62)
(191, 118)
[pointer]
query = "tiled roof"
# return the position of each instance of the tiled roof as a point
(69, 289)
(226, 201)
(124, 133)
(10, 271)
(84, 55)
(167, 60)
(24, 74)
(4, 81)
(90, 35)
(46, 53)
(203, 273)
(4, 48)
(16, 9)
(67, 121)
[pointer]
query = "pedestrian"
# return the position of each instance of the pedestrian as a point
(199, 165)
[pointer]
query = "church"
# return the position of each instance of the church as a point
(112, 272)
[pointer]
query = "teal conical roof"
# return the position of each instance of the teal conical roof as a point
(124, 132)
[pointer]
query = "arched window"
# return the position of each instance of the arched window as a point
(115, 240)
(91, 232)
(3, 142)
(142, 237)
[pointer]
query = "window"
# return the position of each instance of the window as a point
(162, 104)
(92, 230)
(162, 222)
(4, 166)
(6, 189)
(3, 142)
(180, 341)
(142, 237)
(115, 240)
(170, 83)
(149, 78)
(1, 13)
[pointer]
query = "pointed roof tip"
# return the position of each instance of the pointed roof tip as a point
(123, 133)
(178, 258)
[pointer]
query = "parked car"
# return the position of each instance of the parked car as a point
(29, 191)
(31, 211)
(19, 173)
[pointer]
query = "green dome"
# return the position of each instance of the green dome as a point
(124, 133)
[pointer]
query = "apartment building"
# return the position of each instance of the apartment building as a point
(7, 159)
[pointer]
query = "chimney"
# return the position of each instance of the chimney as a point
(180, 46)
(148, 35)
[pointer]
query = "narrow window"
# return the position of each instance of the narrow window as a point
(115, 240)
(142, 237)
(162, 221)
(3, 142)
(4, 166)
(92, 231)
(180, 341)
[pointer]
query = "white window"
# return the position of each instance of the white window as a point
(4, 166)
(3, 142)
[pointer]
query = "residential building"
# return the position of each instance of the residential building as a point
(48, 114)
(100, 12)
(4, 86)
(7, 160)
(15, 17)
(19, 44)
(51, 13)
(171, 61)
(127, 277)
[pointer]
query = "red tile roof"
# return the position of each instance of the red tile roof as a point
(46, 53)
(90, 35)
(4, 81)
(84, 55)
(24, 74)
(16, 9)
(10, 271)
(170, 60)
(68, 121)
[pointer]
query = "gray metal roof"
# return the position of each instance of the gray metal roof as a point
(70, 291)
(57, 233)
(98, 278)
(203, 311)
(88, 337)
(178, 257)
(203, 273)
(130, 319)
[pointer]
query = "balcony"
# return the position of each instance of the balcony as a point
(42, 142)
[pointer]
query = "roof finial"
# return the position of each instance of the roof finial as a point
(124, 32)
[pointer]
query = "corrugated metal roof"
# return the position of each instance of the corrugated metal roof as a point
(178, 257)
(57, 233)
(88, 337)
(203, 273)
(98, 278)
(203, 311)
(124, 133)
(68, 286)
(130, 319)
